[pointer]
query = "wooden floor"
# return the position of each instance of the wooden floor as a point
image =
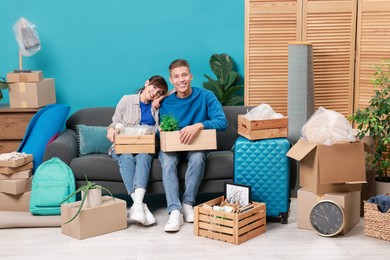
(138, 242)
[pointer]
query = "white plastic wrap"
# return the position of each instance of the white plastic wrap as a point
(262, 112)
(27, 37)
(136, 130)
(327, 127)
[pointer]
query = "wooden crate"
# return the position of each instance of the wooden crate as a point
(206, 140)
(135, 144)
(262, 129)
(16, 162)
(235, 228)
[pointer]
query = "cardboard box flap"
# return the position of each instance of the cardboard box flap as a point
(301, 149)
(335, 167)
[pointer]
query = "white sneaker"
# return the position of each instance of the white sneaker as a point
(136, 213)
(149, 218)
(175, 221)
(188, 213)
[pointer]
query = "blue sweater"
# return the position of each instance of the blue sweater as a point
(200, 107)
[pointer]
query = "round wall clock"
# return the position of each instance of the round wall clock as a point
(327, 218)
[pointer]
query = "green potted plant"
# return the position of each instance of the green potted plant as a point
(91, 192)
(3, 85)
(226, 86)
(169, 123)
(374, 120)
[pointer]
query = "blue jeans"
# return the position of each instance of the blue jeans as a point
(135, 169)
(193, 177)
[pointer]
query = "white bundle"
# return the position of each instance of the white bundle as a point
(136, 130)
(327, 127)
(262, 112)
(12, 156)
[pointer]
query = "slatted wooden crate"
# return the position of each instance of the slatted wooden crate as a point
(235, 228)
(262, 129)
(135, 144)
(206, 140)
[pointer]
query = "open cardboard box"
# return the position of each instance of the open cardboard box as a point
(323, 169)
(170, 141)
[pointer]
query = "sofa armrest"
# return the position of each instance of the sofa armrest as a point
(64, 146)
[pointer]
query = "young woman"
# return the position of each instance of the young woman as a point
(134, 110)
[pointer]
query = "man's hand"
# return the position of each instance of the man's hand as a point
(189, 133)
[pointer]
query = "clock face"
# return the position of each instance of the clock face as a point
(327, 218)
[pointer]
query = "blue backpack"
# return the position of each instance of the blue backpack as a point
(53, 181)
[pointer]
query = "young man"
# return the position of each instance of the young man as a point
(196, 109)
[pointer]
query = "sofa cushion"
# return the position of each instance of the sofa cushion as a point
(92, 139)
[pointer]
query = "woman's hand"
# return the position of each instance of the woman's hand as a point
(111, 134)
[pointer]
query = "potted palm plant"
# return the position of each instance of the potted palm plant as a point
(91, 196)
(374, 120)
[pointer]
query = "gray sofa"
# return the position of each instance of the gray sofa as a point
(100, 168)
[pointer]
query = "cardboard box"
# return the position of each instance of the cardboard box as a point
(15, 186)
(16, 162)
(206, 140)
(33, 76)
(135, 144)
(324, 169)
(19, 202)
(95, 221)
(262, 129)
(26, 174)
(234, 228)
(349, 201)
(32, 95)
(11, 170)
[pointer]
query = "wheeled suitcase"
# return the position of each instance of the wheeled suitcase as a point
(264, 166)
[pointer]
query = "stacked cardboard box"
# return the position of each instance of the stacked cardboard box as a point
(30, 90)
(15, 184)
(333, 172)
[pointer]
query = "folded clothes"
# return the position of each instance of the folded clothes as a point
(383, 202)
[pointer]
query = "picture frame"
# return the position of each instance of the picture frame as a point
(238, 193)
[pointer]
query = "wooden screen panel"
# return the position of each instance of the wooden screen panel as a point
(373, 46)
(269, 26)
(331, 27)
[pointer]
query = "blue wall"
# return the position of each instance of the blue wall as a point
(99, 50)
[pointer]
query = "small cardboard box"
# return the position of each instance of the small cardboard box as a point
(15, 186)
(170, 141)
(33, 76)
(19, 202)
(135, 144)
(16, 162)
(26, 174)
(11, 170)
(95, 221)
(262, 129)
(326, 169)
(349, 201)
(32, 95)
(235, 228)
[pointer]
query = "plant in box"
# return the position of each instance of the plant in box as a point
(91, 193)
(374, 120)
(169, 123)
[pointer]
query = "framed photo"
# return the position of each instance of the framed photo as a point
(238, 193)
